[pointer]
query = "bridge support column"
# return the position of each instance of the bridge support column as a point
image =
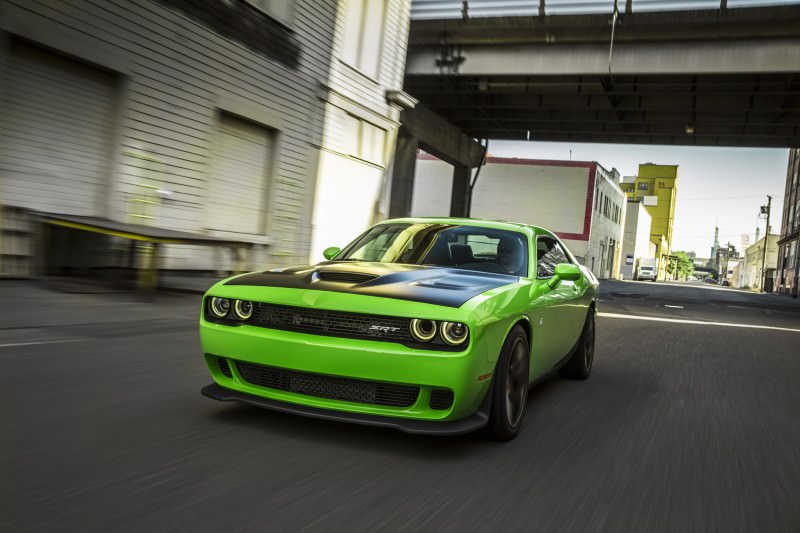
(422, 128)
(459, 198)
(405, 164)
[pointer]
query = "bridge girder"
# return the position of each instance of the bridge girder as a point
(721, 78)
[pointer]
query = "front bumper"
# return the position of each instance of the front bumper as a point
(419, 427)
(464, 374)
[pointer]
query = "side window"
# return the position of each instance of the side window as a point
(549, 253)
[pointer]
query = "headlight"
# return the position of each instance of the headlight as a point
(219, 307)
(454, 333)
(243, 309)
(423, 329)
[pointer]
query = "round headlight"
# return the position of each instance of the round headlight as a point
(423, 329)
(219, 307)
(243, 309)
(454, 333)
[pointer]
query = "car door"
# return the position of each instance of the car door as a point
(557, 321)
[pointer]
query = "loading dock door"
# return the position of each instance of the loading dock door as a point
(54, 137)
(242, 159)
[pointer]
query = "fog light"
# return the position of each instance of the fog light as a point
(454, 333)
(219, 307)
(423, 329)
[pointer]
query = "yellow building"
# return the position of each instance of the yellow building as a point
(656, 187)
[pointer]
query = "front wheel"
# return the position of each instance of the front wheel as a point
(510, 387)
(580, 364)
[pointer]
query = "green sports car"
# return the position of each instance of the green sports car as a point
(427, 325)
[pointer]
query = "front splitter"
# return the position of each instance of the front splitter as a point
(417, 427)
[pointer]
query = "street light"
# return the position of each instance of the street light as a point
(765, 209)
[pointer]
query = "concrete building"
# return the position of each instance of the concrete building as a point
(788, 277)
(751, 274)
(636, 242)
(236, 120)
(656, 186)
(580, 201)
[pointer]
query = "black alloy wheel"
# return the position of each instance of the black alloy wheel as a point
(579, 365)
(510, 386)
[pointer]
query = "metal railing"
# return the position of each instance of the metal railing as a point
(451, 9)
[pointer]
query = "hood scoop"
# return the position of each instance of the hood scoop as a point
(344, 277)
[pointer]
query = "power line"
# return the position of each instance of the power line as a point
(722, 198)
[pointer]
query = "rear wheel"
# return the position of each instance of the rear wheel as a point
(510, 387)
(580, 364)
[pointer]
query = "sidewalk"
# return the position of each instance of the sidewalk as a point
(44, 304)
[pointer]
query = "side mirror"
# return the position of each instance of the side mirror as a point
(566, 272)
(331, 252)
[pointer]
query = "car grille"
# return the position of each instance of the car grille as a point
(333, 388)
(331, 323)
(345, 277)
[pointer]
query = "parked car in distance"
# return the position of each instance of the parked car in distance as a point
(427, 325)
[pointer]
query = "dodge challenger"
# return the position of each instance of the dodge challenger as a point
(426, 325)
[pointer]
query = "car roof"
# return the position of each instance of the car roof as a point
(478, 222)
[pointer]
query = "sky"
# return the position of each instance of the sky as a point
(722, 187)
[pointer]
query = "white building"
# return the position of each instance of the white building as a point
(636, 244)
(751, 274)
(360, 129)
(577, 200)
(241, 119)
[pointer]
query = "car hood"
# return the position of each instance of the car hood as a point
(435, 285)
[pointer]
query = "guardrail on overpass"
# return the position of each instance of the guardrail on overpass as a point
(450, 9)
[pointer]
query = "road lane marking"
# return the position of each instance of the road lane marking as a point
(699, 322)
(34, 343)
(674, 306)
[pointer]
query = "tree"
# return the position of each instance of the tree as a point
(680, 266)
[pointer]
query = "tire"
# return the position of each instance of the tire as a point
(580, 364)
(510, 387)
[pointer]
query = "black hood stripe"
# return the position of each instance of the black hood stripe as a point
(440, 286)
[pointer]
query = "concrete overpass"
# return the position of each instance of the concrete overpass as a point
(714, 77)
(711, 77)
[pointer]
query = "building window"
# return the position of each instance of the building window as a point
(280, 10)
(362, 39)
(364, 140)
(643, 186)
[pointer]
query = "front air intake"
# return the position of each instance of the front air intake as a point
(330, 387)
(224, 367)
(441, 399)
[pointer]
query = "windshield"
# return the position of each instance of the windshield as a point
(446, 245)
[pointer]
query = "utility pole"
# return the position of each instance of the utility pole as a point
(765, 210)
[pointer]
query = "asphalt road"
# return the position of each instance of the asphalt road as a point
(682, 427)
